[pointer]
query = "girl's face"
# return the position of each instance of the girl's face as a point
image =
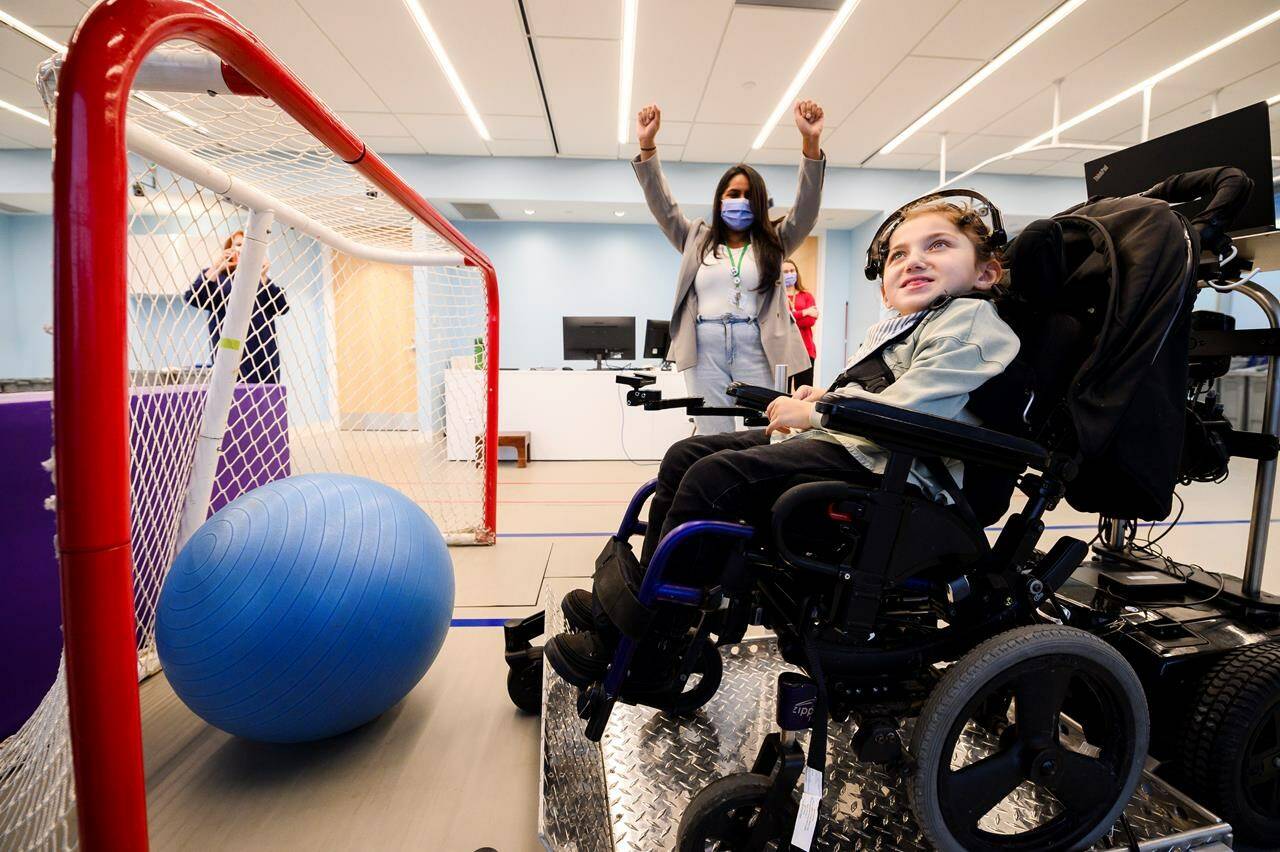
(789, 276)
(236, 242)
(928, 257)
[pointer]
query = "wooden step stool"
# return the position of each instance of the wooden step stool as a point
(519, 440)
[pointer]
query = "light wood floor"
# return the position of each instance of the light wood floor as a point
(454, 767)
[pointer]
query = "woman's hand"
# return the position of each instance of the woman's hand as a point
(786, 413)
(809, 121)
(648, 120)
(811, 311)
(807, 392)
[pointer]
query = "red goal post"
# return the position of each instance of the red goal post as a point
(93, 368)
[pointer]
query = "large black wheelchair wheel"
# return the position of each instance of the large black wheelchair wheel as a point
(524, 683)
(725, 814)
(1231, 743)
(1077, 730)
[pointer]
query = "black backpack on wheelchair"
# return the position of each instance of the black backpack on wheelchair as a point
(896, 607)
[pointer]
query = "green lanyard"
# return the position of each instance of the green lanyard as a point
(735, 267)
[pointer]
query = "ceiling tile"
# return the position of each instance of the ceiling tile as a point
(24, 130)
(47, 13)
(718, 143)
(677, 85)
(445, 134)
(393, 144)
(523, 127)
(373, 123)
(980, 29)
(521, 148)
(581, 78)
(763, 48)
(21, 91)
(294, 36)
(575, 18)
(487, 44)
(895, 103)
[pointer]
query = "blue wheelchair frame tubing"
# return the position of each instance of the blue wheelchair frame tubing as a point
(653, 590)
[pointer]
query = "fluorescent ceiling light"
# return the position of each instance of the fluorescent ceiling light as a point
(802, 76)
(983, 73)
(619, 213)
(31, 32)
(529, 212)
(1273, 100)
(1153, 80)
(630, 11)
(442, 58)
(22, 112)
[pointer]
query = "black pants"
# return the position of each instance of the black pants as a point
(734, 476)
(804, 377)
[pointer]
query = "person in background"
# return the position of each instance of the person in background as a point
(804, 309)
(730, 320)
(260, 356)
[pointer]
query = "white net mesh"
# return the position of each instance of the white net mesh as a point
(347, 365)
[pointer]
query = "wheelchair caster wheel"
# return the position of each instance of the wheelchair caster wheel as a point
(524, 684)
(970, 786)
(730, 813)
(1231, 743)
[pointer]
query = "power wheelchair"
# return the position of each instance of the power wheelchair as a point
(895, 607)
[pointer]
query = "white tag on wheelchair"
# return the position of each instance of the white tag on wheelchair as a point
(807, 816)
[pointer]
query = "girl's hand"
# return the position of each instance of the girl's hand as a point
(807, 392)
(648, 120)
(809, 120)
(787, 413)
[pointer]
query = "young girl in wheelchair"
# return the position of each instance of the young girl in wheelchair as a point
(940, 340)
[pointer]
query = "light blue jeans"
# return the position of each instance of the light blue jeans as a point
(729, 350)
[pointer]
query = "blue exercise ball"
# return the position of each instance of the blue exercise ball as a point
(305, 608)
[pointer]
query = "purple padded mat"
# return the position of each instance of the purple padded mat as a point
(255, 450)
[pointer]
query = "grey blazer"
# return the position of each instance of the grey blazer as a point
(778, 332)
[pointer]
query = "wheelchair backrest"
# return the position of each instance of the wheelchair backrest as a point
(1100, 297)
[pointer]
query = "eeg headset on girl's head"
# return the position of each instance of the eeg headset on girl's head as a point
(996, 239)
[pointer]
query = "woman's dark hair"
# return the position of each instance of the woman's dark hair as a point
(764, 233)
(799, 281)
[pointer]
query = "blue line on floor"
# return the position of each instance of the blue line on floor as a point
(477, 622)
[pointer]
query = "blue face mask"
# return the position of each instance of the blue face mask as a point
(736, 213)
(789, 279)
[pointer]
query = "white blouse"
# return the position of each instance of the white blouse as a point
(717, 294)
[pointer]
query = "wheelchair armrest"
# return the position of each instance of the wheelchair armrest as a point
(900, 429)
(753, 396)
(682, 402)
(750, 417)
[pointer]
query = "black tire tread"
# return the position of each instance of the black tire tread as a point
(1229, 694)
(742, 788)
(978, 666)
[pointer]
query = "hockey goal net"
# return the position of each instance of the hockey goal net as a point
(287, 305)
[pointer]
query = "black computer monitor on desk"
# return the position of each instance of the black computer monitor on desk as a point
(599, 338)
(657, 339)
(1241, 139)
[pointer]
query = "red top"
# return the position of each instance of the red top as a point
(804, 299)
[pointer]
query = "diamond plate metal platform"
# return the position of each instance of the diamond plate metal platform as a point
(628, 792)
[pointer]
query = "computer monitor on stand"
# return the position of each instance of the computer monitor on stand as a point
(657, 340)
(599, 338)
